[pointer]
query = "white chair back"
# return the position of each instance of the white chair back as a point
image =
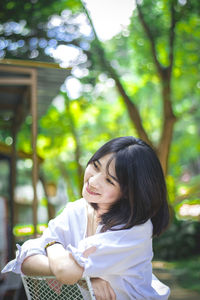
(49, 288)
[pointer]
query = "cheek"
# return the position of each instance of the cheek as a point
(87, 174)
(114, 194)
(85, 180)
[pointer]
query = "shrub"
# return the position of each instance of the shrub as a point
(180, 240)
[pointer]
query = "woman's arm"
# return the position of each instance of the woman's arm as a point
(67, 271)
(63, 265)
(36, 265)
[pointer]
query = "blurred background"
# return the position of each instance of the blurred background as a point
(74, 74)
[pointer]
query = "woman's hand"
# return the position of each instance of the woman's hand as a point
(102, 289)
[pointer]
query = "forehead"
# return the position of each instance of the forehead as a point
(108, 162)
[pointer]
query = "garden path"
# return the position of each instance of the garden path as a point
(177, 292)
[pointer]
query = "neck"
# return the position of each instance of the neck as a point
(93, 221)
(102, 209)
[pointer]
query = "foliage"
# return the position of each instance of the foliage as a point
(33, 11)
(35, 31)
(185, 271)
(184, 156)
(57, 143)
(150, 64)
(100, 113)
(181, 240)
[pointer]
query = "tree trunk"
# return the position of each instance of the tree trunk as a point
(164, 74)
(77, 147)
(70, 189)
(50, 208)
(169, 120)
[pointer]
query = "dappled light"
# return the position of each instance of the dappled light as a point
(103, 69)
(190, 210)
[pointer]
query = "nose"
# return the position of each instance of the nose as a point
(94, 180)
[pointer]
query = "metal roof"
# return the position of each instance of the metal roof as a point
(15, 84)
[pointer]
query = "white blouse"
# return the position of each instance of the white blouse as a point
(122, 257)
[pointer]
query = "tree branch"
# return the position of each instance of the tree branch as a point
(165, 73)
(90, 20)
(150, 37)
(172, 38)
(131, 107)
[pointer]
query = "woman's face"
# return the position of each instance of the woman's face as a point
(99, 186)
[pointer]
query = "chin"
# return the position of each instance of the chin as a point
(88, 198)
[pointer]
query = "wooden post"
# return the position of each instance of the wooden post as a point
(34, 144)
(12, 194)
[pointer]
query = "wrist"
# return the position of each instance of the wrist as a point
(57, 257)
(50, 244)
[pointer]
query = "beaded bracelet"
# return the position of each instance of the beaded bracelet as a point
(50, 244)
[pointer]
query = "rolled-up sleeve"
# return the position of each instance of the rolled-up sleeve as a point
(116, 252)
(30, 247)
(58, 230)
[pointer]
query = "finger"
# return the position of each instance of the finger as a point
(105, 293)
(102, 289)
(99, 295)
(112, 294)
(99, 288)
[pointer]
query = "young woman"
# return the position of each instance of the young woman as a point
(107, 235)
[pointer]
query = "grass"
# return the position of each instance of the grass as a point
(186, 272)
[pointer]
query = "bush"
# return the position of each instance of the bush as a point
(180, 240)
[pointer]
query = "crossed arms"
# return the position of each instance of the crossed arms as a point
(61, 264)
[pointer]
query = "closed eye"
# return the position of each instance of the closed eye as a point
(95, 165)
(108, 180)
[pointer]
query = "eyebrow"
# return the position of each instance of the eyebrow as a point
(113, 177)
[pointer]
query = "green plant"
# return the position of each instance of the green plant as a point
(179, 241)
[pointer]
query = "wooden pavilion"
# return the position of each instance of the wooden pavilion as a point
(26, 87)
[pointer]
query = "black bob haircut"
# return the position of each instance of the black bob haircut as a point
(142, 183)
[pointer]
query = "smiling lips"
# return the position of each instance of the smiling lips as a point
(91, 192)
